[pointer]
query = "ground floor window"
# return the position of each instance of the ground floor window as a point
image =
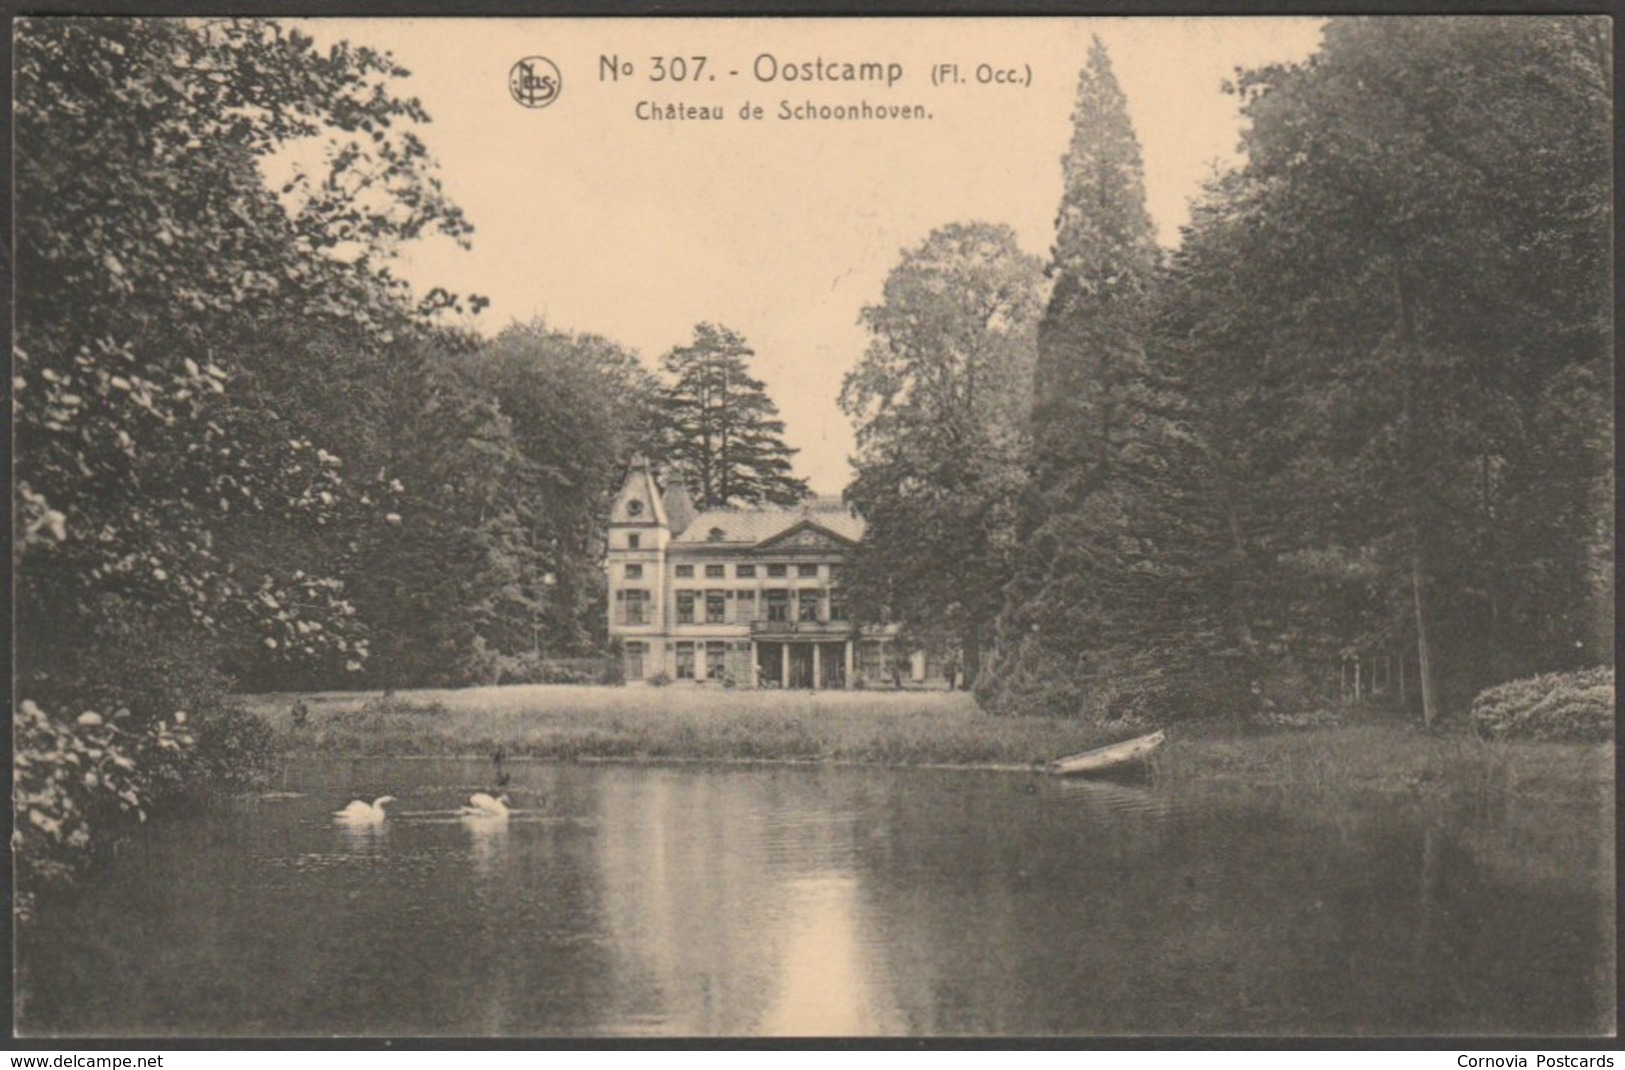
(685, 661)
(634, 660)
(716, 654)
(872, 662)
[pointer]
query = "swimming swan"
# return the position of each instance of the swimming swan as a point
(363, 813)
(482, 805)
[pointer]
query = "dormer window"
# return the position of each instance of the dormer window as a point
(716, 534)
(634, 508)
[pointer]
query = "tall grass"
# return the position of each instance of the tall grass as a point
(575, 723)
(1392, 758)
(912, 728)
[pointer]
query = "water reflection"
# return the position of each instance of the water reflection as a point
(833, 901)
(357, 839)
(829, 980)
(1107, 796)
(488, 840)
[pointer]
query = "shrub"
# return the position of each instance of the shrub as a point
(70, 776)
(659, 679)
(1567, 706)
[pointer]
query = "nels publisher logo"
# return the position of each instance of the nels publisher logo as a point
(535, 82)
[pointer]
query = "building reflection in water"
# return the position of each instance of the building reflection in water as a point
(733, 906)
(827, 983)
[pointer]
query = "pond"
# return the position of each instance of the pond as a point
(784, 900)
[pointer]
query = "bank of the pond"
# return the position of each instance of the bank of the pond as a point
(939, 729)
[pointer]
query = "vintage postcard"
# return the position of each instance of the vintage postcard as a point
(774, 527)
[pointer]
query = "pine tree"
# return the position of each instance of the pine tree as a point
(1083, 601)
(1103, 264)
(724, 437)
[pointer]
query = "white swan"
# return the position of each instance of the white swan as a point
(360, 812)
(482, 805)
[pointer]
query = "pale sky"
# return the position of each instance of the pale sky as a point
(600, 222)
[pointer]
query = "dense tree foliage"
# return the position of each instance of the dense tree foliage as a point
(723, 435)
(152, 260)
(579, 406)
(1405, 294)
(1363, 413)
(1090, 578)
(940, 401)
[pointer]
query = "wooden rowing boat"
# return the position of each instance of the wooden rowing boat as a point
(1103, 759)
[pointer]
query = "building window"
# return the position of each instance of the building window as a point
(807, 607)
(715, 572)
(777, 572)
(631, 605)
(685, 607)
(778, 605)
(837, 605)
(634, 572)
(632, 541)
(872, 660)
(745, 572)
(716, 654)
(685, 661)
(633, 660)
(685, 572)
(715, 607)
(807, 570)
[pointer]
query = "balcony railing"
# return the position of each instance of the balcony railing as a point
(800, 627)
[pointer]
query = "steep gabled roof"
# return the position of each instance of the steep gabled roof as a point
(639, 501)
(753, 526)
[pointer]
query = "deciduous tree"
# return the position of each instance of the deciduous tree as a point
(940, 402)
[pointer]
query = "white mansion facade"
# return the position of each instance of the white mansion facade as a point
(743, 597)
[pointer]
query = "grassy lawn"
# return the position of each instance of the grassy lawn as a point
(1392, 758)
(684, 722)
(676, 722)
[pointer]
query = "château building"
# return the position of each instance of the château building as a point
(749, 597)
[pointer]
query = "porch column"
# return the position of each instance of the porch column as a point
(846, 650)
(784, 665)
(818, 677)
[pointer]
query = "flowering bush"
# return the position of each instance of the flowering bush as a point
(70, 771)
(1570, 706)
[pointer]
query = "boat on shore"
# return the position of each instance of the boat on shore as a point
(1108, 758)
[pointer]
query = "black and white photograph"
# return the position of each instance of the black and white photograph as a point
(793, 528)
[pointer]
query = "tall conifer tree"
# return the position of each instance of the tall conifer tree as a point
(725, 438)
(1086, 590)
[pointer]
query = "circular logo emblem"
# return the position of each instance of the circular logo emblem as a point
(535, 82)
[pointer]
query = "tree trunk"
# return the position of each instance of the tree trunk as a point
(972, 654)
(1424, 656)
(1413, 463)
